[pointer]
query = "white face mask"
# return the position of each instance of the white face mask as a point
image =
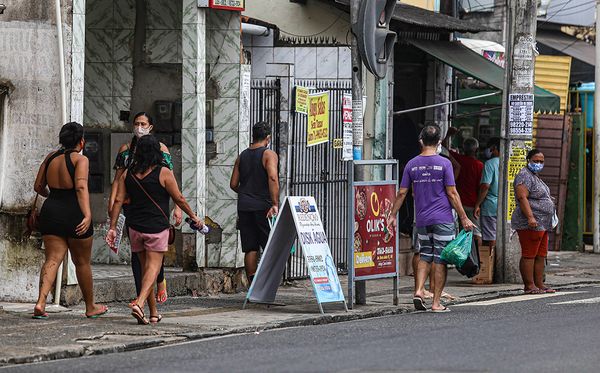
(140, 131)
(487, 153)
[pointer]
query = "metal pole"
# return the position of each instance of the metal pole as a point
(596, 216)
(357, 119)
(63, 117)
(518, 79)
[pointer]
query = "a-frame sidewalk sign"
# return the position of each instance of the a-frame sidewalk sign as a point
(298, 217)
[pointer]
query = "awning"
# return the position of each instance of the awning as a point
(470, 63)
(568, 45)
(415, 16)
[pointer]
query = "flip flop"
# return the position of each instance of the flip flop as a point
(448, 296)
(43, 316)
(533, 291)
(547, 290)
(161, 296)
(96, 315)
(445, 309)
(419, 304)
(138, 314)
(157, 318)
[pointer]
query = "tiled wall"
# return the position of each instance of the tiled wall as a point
(223, 63)
(109, 53)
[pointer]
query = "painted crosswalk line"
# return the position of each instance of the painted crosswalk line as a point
(518, 298)
(580, 301)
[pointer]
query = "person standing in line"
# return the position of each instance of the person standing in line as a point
(256, 181)
(532, 219)
(142, 125)
(486, 208)
(66, 219)
(432, 180)
(467, 182)
(149, 186)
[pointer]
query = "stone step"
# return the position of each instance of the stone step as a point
(121, 288)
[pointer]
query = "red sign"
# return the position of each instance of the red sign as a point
(374, 244)
(228, 4)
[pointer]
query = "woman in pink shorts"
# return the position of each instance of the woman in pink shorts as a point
(149, 186)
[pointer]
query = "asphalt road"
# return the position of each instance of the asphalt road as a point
(518, 334)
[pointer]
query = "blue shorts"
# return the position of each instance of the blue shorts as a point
(433, 239)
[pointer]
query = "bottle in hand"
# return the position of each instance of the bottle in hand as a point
(204, 230)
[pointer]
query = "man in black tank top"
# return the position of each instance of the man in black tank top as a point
(255, 180)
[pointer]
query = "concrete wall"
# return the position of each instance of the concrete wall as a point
(314, 17)
(32, 120)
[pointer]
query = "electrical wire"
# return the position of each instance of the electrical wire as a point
(315, 34)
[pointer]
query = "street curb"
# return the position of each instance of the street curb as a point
(173, 338)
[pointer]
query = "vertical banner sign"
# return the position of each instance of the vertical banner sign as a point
(516, 161)
(520, 114)
(374, 244)
(312, 237)
(318, 118)
(347, 123)
(301, 100)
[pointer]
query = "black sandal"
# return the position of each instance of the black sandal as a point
(139, 316)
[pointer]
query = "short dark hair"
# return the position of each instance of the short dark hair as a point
(431, 135)
(70, 135)
(260, 131)
(147, 154)
(495, 142)
(533, 152)
(144, 114)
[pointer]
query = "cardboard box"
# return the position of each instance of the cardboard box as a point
(486, 263)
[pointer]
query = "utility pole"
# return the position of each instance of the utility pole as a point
(596, 183)
(516, 127)
(357, 118)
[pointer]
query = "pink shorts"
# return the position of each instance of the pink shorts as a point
(157, 242)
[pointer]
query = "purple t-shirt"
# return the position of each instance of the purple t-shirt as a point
(429, 177)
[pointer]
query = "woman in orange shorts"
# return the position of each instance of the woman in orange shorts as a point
(532, 219)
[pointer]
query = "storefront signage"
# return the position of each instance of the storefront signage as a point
(299, 217)
(520, 114)
(301, 100)
(374, 245)
(228, 4)
(318, 118)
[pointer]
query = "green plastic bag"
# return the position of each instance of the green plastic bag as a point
(458, 250)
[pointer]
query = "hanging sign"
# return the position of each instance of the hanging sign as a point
(301, 103)
(318, 118)
(299, 217)
(228, 4)
(520, 114)
(374, 245)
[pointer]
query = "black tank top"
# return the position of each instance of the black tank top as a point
(60, 192)
(142, 214)
(253, 193)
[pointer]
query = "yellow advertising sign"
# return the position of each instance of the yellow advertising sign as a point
(363, 260)
(516, 162)
(318, 118)
(301, 100)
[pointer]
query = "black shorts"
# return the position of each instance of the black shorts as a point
(254, 230)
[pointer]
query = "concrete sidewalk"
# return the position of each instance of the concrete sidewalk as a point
(69, 334)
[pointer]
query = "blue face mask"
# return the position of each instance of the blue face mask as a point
(535, 167)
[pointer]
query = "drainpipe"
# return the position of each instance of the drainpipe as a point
(63, 112)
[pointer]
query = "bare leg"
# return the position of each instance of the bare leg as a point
(151, 262)
(250, 264)
(439, 274)
(55, 250)
(526, 268)
(539, 265)
(423, 270)
(81, 253)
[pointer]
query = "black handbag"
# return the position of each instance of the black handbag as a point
(471, 266)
